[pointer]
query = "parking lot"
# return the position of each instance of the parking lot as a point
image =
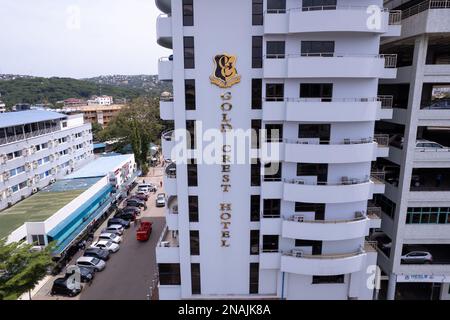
(129, 273)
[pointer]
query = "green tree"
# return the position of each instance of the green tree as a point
(21, 268)
(96, 131)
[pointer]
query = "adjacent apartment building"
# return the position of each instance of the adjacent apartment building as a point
(415, 244)
(101, 114)
(36, 148)
(307, 72)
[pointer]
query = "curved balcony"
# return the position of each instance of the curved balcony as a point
(330, 65)
(297, 227)
(164, 31)
(165, 69)
(164, 5)
(327, 264)
(172, 213)
(341, 18)
(348, 190)
(167, 143)
(348, 151)
(166, 107)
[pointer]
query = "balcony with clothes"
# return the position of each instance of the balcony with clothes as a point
(168, 248)
(298, 262)
(330, 17)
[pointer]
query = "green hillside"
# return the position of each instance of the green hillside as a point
(51, 90)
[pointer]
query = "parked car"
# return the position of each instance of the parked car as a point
(417, 257)
(129, 216)
(92, 263)
(440, 104)
(134, 210)
(161, 200)
(61, 287)
(147, 188)
(121, 222)
(136, 203)
(110, 237)
(114, 228)
(425, 145)
(106, 245)
(97, 253)
(86, 274)
(141, 196)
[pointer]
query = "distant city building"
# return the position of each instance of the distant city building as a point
(21, 107)
(37, 147)
(101, 101)
(101, 114)
(74, 102)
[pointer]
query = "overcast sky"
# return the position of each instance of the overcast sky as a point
(79, 38)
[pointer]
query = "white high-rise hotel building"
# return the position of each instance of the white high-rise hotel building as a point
(310, 70)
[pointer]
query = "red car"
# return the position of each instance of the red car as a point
(144, 231)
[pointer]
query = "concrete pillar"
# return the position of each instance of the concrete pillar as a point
(392, 285)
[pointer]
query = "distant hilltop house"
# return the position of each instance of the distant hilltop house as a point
(74, 102)
(101, 101)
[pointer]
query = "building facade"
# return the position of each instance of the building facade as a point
(307, 72)
(415, 242)
(101, 114)
(36, 148)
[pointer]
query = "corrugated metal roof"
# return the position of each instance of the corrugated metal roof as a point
(100, 167)
(9, 119)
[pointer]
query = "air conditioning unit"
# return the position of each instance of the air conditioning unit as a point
(34, 190)
(165, 244)
(9, 192)
(299, 218)
(25, 152)
(37, 178)
(3, 159)
(297, 253)
(35, 164)
(33, 149)
(55, 143)
(29, 182)
(27, 166)
(52, 180)
(53, 171)
(50, 143)
(6, 175)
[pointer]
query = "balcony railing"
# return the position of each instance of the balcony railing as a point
(321, 99)
(395, 17)
(426, 5)
(344, 181)
(166, 239)
(390, 60)
(166, 98)
(378, 176)
(296, 218)
(382, 139)
(386, 101)
(374, 212)
(23, 136)
(318, 141)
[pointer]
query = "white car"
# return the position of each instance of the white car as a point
(147, 188)
(91, 263)
(425, 145)
(111, 237)
(161, 200)
(417, 257)
(106, 245)
(114, 228)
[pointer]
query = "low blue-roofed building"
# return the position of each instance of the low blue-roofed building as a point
(102, 166)
(10, 119)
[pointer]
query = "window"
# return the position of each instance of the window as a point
(38, 240)
(189, 94)
(255, 203)
(317, 208)
(254, 242)
(311, 5)
(316, 245)
(427, 215)
(275, 49)
(270, 243)
(324, 91)
(255, 173)
(272, 171)
(254, 278)
(257, 51)
(318, 48)
(189, 57)
(313, 169)
(195, 242)
(191, 138)
(319, 131)
(276, 6)
(256, 129)
(192, 174)
(274, 132)
(257, 12)
(386, 205)
(256, 94)
(328, 279)
(272, 208)
(195, 278)
(193, 208)
(188, 13)
(274, 92)
(169, 274)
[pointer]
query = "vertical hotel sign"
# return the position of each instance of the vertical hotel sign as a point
(225, 76)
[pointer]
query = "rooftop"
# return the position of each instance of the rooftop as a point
(10, 119)
(43, 204)
(100, 167)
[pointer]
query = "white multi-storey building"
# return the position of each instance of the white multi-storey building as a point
(37, 147)
(307, 71)
(416, 214)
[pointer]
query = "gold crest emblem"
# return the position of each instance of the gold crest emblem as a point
(225, 73)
